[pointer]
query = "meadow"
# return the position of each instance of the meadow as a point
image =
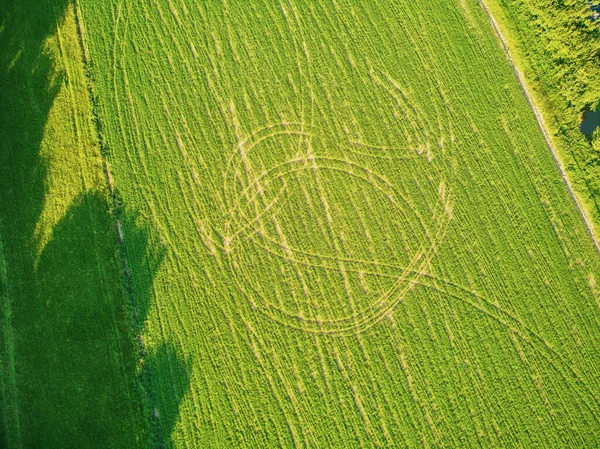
(357, 236)
(291, 224)
(68, 365)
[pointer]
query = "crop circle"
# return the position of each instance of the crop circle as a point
(319, 242)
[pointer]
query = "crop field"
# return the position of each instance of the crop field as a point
(338, 225)
(357, 235)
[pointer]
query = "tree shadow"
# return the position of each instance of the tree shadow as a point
(143, 256)
(77, 364)
(29, 84)
(74, 343)
(165, 373)
(166, 379)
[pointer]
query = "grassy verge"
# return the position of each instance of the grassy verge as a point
(76, 367)
(556, 46)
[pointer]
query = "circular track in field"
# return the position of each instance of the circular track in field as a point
(318, 242)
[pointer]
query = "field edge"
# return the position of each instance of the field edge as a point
(542, 107)
(116, 209)
(590, 225)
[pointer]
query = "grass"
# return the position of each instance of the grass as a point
(64, 316)
(11, 429)
(356, 236)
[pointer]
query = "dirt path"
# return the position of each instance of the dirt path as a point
(540, 121)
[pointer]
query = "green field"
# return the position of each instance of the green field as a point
(364, 239)
(341, 224)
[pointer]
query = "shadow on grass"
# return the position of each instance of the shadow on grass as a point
(167, 380)
(28, 85)
(76, 359)
(165, 373)
(77, 366)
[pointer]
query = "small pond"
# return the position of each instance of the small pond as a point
(589, 122)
